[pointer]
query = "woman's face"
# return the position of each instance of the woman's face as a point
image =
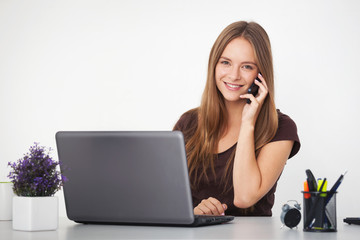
(236, 69)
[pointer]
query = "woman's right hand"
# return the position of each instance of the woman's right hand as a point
(210, 206)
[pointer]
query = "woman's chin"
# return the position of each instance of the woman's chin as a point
(233, 99)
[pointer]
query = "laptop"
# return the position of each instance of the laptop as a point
(128, 177)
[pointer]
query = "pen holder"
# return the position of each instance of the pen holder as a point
(319, 211)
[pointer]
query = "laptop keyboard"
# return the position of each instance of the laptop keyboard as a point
(210, 219)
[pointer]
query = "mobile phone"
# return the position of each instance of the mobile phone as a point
(253, 89)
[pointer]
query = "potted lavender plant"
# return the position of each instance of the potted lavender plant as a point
(35, 180)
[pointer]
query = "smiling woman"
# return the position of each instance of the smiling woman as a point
(237, 151)
(236, 69)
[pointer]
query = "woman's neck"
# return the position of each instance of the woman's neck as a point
(231, 132)
(234, 110)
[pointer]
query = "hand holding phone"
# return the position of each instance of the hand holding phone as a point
(253, 89)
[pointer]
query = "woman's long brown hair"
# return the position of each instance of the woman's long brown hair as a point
(202, 146)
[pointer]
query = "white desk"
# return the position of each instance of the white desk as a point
(240, 228)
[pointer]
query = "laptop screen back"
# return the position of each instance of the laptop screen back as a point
(125, 177)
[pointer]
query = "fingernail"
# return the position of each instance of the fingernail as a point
(223, 214)
(259, 74)
(224, 206)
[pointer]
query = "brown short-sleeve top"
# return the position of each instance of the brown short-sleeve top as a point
(287, 130)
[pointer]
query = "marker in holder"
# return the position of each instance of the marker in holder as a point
(319, 210)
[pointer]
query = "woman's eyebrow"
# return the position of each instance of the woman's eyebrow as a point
(225, 58)
(247, 62)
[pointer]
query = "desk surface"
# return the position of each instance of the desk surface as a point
(240, 228)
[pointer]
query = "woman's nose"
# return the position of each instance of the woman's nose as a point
(234, 73)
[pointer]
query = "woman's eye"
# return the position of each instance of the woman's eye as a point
(225, 62)
(248, 67)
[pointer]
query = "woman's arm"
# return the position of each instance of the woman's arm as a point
(253, 178)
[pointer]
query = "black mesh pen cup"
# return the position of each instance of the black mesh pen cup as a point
(319, 210)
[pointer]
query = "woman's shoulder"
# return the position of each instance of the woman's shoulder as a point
(287, 130)
(285, 121)
(187, 120)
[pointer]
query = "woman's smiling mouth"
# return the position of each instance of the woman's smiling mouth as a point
(233, 87)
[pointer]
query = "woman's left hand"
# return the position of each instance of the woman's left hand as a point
(251, 111)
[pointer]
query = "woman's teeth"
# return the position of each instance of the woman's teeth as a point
(232, 85)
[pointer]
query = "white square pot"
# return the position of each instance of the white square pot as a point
(35, 213)
(6, 196)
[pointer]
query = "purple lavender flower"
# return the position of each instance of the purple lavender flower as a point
(35, 174)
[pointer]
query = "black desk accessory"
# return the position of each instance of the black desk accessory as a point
(320, 204)
(352, 220)
(290, 215)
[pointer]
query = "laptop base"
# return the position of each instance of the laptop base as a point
(199, 221)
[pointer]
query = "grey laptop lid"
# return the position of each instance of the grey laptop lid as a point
(125, 177)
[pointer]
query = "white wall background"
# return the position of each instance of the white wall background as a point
(138, 65)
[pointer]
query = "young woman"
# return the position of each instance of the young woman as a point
(237, 150)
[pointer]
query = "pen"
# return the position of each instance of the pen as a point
(307, 197)
(335, 187)
(322, 187)
(306, 189)
(320, 213)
